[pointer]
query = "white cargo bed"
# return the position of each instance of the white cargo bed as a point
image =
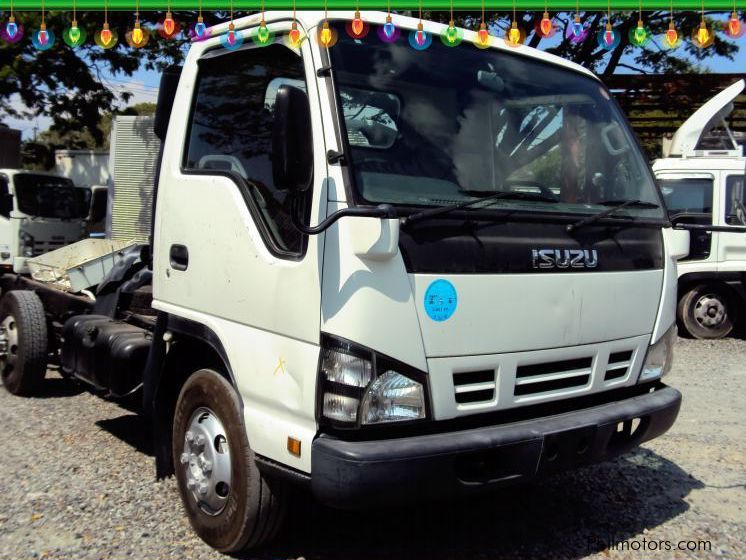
(78, 266)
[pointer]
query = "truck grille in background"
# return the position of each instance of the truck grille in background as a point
(42, 247)
(474, 386)
(550, 376)
(618, 365)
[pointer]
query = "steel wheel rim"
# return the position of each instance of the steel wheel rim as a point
(206, 461)
(710, 311)
(8, 344)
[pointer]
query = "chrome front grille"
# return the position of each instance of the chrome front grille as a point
(474, 386)
(532, 379)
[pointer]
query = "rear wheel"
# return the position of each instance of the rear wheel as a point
(23, 342)
(230, 505)
(707, 311)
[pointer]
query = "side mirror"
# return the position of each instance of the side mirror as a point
(372, 239)
(292, 146)
(678, 242)
(166, 95)
(6, 204)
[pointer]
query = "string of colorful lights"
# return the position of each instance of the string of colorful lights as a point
(11, 31)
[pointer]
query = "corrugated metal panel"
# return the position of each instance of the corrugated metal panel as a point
(134, 150)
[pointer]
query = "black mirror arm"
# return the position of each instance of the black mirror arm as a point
(380, 211)
(704, 227)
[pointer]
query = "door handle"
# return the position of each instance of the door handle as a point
(179, 257)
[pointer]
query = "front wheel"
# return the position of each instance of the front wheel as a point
(230, 505)
(707, 311)
(23, 342)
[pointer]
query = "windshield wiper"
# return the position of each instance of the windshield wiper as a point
(514, 195)
(616, 206)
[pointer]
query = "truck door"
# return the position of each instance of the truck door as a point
(226, 255)
(690, 198)
(732, 246)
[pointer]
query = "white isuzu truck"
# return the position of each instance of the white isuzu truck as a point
(39, 212)
(702, 182)
(385, 274)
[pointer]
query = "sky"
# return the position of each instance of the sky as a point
(143, 85)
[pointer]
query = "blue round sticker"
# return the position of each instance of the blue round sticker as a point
(440, 300)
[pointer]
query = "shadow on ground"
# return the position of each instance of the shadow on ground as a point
(57, 388)
(131, 429)
(565, 516)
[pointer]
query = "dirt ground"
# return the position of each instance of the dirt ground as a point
(77, 481)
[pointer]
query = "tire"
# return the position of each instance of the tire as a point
(250, 511)
(707, 311)
(23, 330)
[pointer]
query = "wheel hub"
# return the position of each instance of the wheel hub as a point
(207, 461)
(8, 343)
(710, 311)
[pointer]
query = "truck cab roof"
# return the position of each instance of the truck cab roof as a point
(698, 164)
(308, 20)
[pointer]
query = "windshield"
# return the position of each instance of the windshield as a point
(46, 196)
(445, 125)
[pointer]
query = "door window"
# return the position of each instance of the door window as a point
(689, 200)
(735, 200)
(231, 131)
(690, 196)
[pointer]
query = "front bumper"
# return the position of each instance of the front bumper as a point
(364, 474)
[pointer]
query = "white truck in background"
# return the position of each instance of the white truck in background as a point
(88, 169)
(386, 275)
(703, 185)
(39, 212)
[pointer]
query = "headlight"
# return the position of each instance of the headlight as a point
(27, 244)
(360, 387)
(660, 357)
(393, 398)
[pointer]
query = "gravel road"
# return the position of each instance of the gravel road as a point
(77, 481)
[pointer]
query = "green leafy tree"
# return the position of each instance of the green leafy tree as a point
(653, 58)
(68, 84)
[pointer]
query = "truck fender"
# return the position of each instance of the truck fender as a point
(180, 347)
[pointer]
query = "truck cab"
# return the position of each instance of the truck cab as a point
(382, 268)
(39, 212)
(702, 182)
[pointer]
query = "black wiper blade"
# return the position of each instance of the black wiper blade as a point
(635, 203)
(616, 205)
(518, 195)
(480, 198)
